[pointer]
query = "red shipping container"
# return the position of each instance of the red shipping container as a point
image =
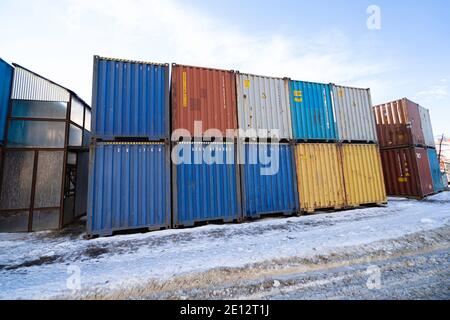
(407, 172)
(399, 124)
(206, 95)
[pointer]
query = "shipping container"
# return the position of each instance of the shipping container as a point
(354, 115)
(319, 176)
(206, 183)
(263, 107)
(427, 128)
(312, 111)
(444, 180)
(268, 179)
(363, 174)
(399, 124)
(129, 187)
(435, 170)
(6, 76)
(130, 99)
(407, 172)
(206, 98)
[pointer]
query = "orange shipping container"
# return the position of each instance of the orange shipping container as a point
(203, 95)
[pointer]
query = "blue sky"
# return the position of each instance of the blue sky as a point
(325, 41)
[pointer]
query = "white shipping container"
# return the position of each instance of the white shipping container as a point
(427, 129)
(263, 105)
(354, 115)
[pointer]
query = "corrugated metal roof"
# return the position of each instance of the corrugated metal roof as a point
(48, 82)
(263, 104)
(29, 86)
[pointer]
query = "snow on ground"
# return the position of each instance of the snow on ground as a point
(39, 265)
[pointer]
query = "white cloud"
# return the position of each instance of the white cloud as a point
(172, 31)
(435, 92)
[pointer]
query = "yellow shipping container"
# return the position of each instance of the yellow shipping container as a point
(319, 176)
(363, 175)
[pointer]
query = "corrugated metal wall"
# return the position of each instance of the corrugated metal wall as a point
(6, 76)
(363, 174)
(28, 86)
(354, 114)
(263, 104)
(129, 187)
(435, 170)
(206, 192)
(427, 128)
(268, 179)
(312, 111)
(130, 99)
(319, 176)
(407, 172)
(205, 95)
(398, 124)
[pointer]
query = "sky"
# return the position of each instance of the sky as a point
(323, 41)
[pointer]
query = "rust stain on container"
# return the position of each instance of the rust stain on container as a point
(399, 124)
(203, 95)
(407, 172)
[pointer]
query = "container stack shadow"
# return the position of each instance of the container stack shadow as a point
(410, 162)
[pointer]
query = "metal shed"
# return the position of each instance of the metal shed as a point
(44, 163)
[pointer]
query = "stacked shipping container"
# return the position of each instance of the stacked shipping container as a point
(129, 180)
(334, 168)
(410, 163)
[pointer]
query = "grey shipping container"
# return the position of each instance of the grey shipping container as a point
(354, 115)
(263, 107)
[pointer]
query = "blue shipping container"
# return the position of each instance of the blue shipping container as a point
(6, 76)
(205, 190)
(129, 187)
(435, 170)
(130, 99)
(312, 111)
(269, 180)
